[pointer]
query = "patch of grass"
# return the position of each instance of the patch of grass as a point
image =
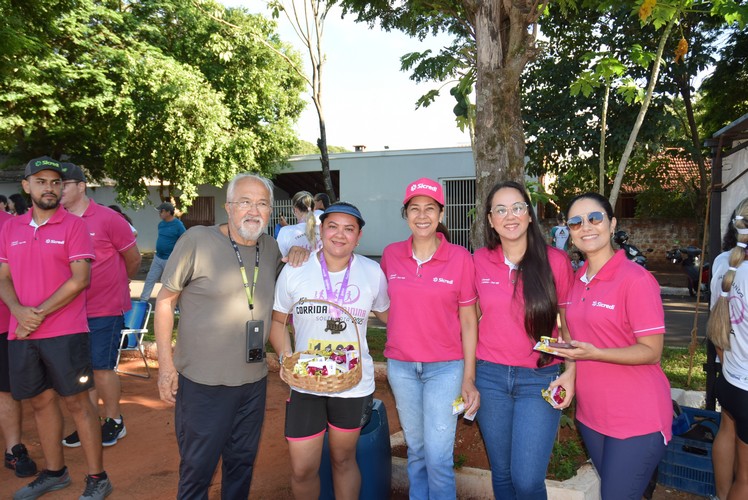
(460, 461)
(565, 459)
(376, 337)
(675, 362)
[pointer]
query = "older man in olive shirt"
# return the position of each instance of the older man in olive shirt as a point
(217, 388)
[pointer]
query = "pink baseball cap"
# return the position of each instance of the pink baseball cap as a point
(425, 187)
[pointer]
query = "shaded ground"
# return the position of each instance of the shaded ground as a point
(144, 464)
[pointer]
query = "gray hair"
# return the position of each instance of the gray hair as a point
(266, 182)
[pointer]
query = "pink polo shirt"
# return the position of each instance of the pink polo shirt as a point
(502, 337)
(4, 311)
(109, 292)
(621, 303)
(424, 322)
(39, 260)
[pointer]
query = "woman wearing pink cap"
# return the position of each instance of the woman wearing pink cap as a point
(522, 289)
(431, 336)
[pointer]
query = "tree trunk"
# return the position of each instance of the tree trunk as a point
(603, 130)
(324, 158)
(684, 88)
(642, 113)
(503, 47)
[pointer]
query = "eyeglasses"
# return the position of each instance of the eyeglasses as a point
(517, 209)
(260, 206)
(576, 222)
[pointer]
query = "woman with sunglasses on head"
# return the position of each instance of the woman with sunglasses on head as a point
(616, 318)
(728, 330)
(431, 334)
(522, 289)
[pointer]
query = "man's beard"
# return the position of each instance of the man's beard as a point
(46, 204)
(249, 234)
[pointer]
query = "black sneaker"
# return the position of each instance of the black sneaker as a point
(20, 461)
(111, 431)
(72, 441)
(44, 483)
(96, 488)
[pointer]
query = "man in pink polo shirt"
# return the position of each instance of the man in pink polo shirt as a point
(107, 298)
(16, 455)
(45, 266)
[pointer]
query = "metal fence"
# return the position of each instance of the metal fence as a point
(459, 195)
(280, 208)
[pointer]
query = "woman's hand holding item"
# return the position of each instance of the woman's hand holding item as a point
(471, 397)
(567, 381)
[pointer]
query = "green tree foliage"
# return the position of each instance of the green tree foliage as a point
(724, 92)
(147, 90)
(307, 148)
(563, 97)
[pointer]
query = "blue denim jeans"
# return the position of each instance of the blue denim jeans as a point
(154, 274)
(424, 393)
(518, 427)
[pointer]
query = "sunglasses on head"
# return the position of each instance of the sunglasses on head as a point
(594, 218)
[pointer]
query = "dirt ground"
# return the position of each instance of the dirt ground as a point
(144, 464)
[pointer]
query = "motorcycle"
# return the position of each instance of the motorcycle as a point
(689, 258)
(632, 252)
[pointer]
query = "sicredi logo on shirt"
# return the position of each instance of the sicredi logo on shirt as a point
(423, 186)
(443, 280)
(597, 303)
(54, 242)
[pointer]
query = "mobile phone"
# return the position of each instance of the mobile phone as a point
(255, 341)
(560, 345)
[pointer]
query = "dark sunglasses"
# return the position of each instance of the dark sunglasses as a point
(594, 218)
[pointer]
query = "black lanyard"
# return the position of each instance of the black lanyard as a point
(250, 289)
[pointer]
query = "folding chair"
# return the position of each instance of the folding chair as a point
(136, 322)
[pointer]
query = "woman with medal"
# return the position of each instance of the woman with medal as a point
(522, 285)
(617, 321)
(431, 335)
(354, 284)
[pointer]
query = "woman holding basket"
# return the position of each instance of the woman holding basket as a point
(340, 289)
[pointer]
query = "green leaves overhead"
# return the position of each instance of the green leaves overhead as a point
(146, 91)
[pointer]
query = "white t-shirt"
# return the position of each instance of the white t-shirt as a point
(317, 215)
(366, 291)
(560, 236)
(295, 236)
(735, 362)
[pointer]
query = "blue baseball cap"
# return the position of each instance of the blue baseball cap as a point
(342, 207)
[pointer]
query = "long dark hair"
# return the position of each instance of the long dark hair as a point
(19, 203)
(538, 286)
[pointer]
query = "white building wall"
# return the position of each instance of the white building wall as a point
(375, 182)
(733, 166)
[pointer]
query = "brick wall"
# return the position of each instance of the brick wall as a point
(658, 234)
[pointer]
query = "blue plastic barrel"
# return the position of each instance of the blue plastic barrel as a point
(374, 457)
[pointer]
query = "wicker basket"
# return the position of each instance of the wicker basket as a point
(322, 383)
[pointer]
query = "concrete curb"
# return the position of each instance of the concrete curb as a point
(674, 291)
(475, 483)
